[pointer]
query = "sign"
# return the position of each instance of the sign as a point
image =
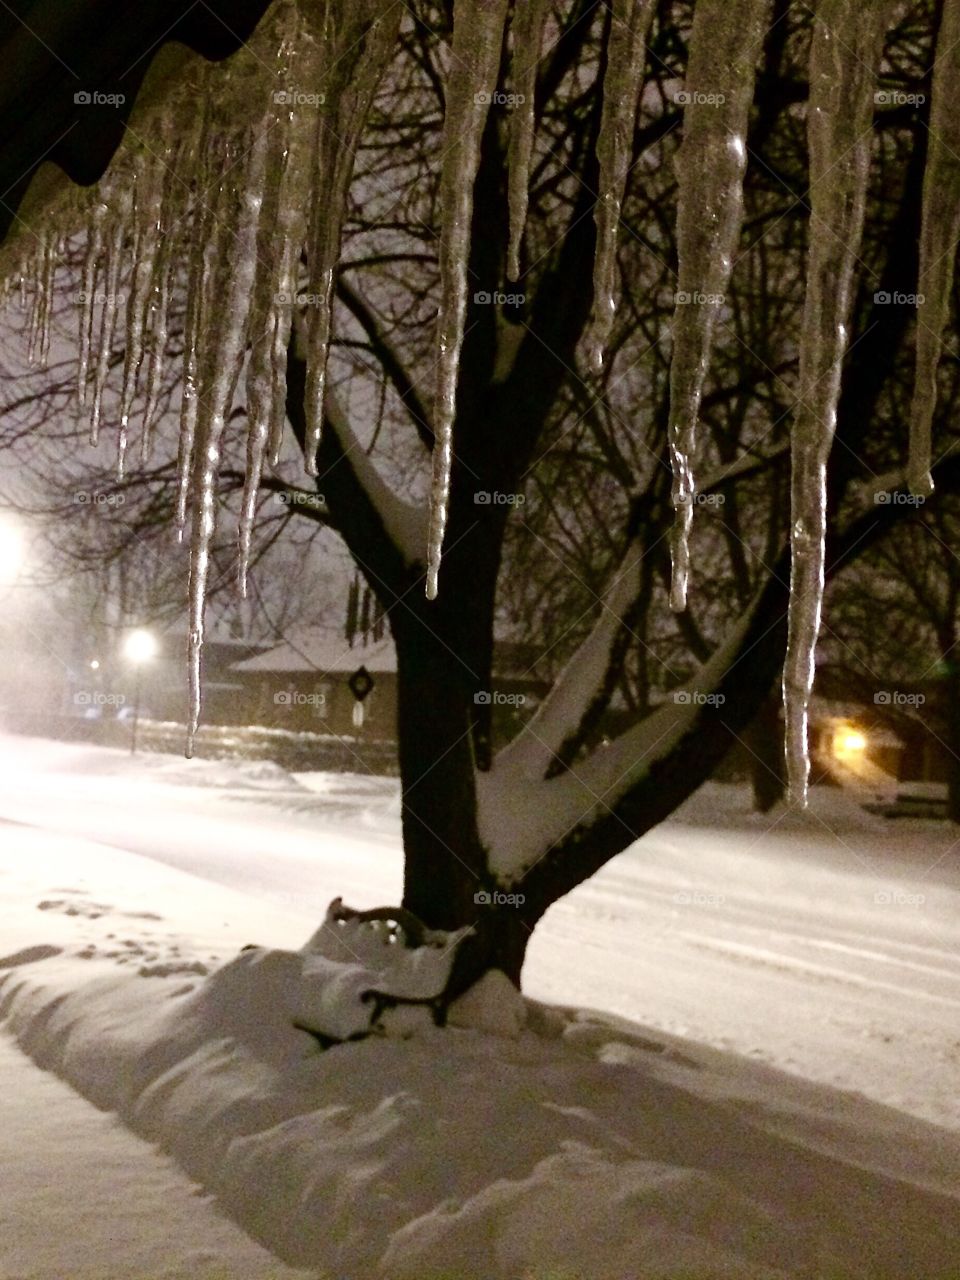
(361, 683)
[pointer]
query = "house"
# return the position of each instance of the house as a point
(311, 682)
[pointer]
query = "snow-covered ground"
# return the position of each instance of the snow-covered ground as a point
(824, 947)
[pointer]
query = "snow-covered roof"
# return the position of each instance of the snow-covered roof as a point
(325, 653)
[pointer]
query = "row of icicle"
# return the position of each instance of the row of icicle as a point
(248, 171)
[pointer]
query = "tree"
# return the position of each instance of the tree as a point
(493, 837)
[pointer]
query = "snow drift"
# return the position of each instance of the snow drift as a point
(570, 1148)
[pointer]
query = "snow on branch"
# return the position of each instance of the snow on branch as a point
(560, 715)
(521, 818)
(404, 523)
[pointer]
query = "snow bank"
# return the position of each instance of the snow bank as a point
(572, 1149)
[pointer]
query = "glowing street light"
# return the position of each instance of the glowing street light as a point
(849, 743)
(139, 647)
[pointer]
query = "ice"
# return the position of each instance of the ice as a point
(528, 23)
(629, 22)
(116, 222)
(842, 80)
(724, 47)
(234, 250)
(359, 41)
(91, 260)
(939, 233)
(474, 63)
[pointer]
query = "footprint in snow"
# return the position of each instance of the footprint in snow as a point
(28, 955)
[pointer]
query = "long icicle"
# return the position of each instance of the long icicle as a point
(622, 83)
(839, 125)
(108, 310)
(235, 253)
(725, 43)
(475, 61)
(91, 263)
(198, 272)
(940, 230)
(356, 51)
(529, 20)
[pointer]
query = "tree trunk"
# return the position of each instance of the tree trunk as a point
(953, 741)
(764, 741)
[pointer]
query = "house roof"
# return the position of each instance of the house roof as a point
(53, 50)
(323, 653)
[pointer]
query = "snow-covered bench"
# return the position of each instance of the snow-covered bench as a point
(379, 971)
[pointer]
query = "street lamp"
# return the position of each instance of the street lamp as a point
(139, 647)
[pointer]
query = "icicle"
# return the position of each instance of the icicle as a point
(149, 183)
(725, 43)
(47, 269)
(36, 303)
(91, 262)
(839, 114)
(197, 287)
(629, 22)
(234, 250)
(279, 238)
(938, 242)
(529, 19)
(356, 51)
(475, 61)
(108, 311)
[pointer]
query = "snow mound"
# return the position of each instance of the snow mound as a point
(571, 1149)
